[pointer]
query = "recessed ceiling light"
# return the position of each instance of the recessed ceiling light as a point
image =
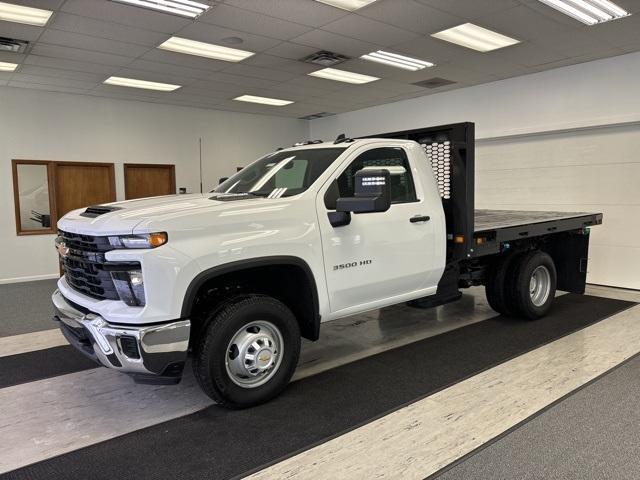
(201, 49)
(475, 37)
(27, 15)
(343, 76)
(590, 12)
(8, 67)
(396, 60)
(264, 100)
(350, 5)
(133, 83)
(184, 8)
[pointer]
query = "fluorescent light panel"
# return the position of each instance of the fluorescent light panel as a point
(590, 12)
(202, 49)
(395, 60)
(8, 67)
(264, 100)
(27, 15)
(350, 5)
(343, 76)
(184, 8)
(133, 83)
(475, 37)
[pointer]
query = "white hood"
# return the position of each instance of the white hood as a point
(129, 213)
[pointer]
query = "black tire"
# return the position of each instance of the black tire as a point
(519, 294)
(211, 350)
(496, 285)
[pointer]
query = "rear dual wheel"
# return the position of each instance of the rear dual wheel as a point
(522, 285)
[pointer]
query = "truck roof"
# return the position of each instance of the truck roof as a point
(343, 145)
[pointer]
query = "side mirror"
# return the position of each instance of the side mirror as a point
(372, 193)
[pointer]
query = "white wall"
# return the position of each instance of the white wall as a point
(40, 125)
(567, 139)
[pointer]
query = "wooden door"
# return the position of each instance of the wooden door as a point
(82, 184)
(148, 180)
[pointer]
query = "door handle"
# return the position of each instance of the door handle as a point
(420, 218)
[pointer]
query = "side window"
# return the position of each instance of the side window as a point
(393, 158)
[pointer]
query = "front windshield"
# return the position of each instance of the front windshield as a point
(281, 174)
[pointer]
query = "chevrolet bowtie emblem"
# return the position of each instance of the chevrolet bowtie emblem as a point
(63, 250)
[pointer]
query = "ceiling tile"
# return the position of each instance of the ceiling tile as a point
(257, 72)
(70, 65)
(204, 32)
(470, 9)
(125, 15)
(224, 77)
(170, 69)
(20, 31)
(323, 40)
(5, 76)
(369, 30)
(411, 15)
(625, 31)
(12, 57)
(305, 12)
(109, 30)
(48, 88)
(78, 55)
(257, 23)
(529, 54)
(214, 88)
(293, 51)
(86, 42)
(61, 73)
(48, 80)
(45, 4)
(298, 88)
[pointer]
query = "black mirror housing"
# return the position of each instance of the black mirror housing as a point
(372, 193)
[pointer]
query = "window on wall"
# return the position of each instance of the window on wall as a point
(44, 191)
(33, 197)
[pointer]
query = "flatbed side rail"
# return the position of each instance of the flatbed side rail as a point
(491, 241)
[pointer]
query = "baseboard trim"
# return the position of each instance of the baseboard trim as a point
(31, 278)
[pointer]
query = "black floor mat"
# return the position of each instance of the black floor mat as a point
(41, 364)
(216, 443)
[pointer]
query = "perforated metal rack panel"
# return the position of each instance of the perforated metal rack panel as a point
(439, 155)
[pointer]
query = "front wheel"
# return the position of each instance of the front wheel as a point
(248, 351)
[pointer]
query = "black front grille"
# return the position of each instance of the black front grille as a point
(84, 267)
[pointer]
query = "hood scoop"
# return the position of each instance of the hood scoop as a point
(97, 210)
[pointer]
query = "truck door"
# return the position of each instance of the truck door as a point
(383, 256)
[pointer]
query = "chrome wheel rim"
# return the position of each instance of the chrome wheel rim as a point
(254, 354)
(540, 285)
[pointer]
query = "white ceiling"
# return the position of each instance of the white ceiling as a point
(87, 41)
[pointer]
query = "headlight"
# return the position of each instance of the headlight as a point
(148, 240)
(130, 287)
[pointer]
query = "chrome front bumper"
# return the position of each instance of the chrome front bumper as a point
(151, 354)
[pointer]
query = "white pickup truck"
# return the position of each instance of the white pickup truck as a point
(235, 277)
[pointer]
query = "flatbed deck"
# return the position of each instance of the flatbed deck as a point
(497, 219)
(496, 227)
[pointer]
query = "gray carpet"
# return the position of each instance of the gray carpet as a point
(592, 434)
(26, 307)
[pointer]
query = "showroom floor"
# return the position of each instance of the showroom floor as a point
(454, 392)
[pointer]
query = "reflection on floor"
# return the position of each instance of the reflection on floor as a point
(64, 413)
